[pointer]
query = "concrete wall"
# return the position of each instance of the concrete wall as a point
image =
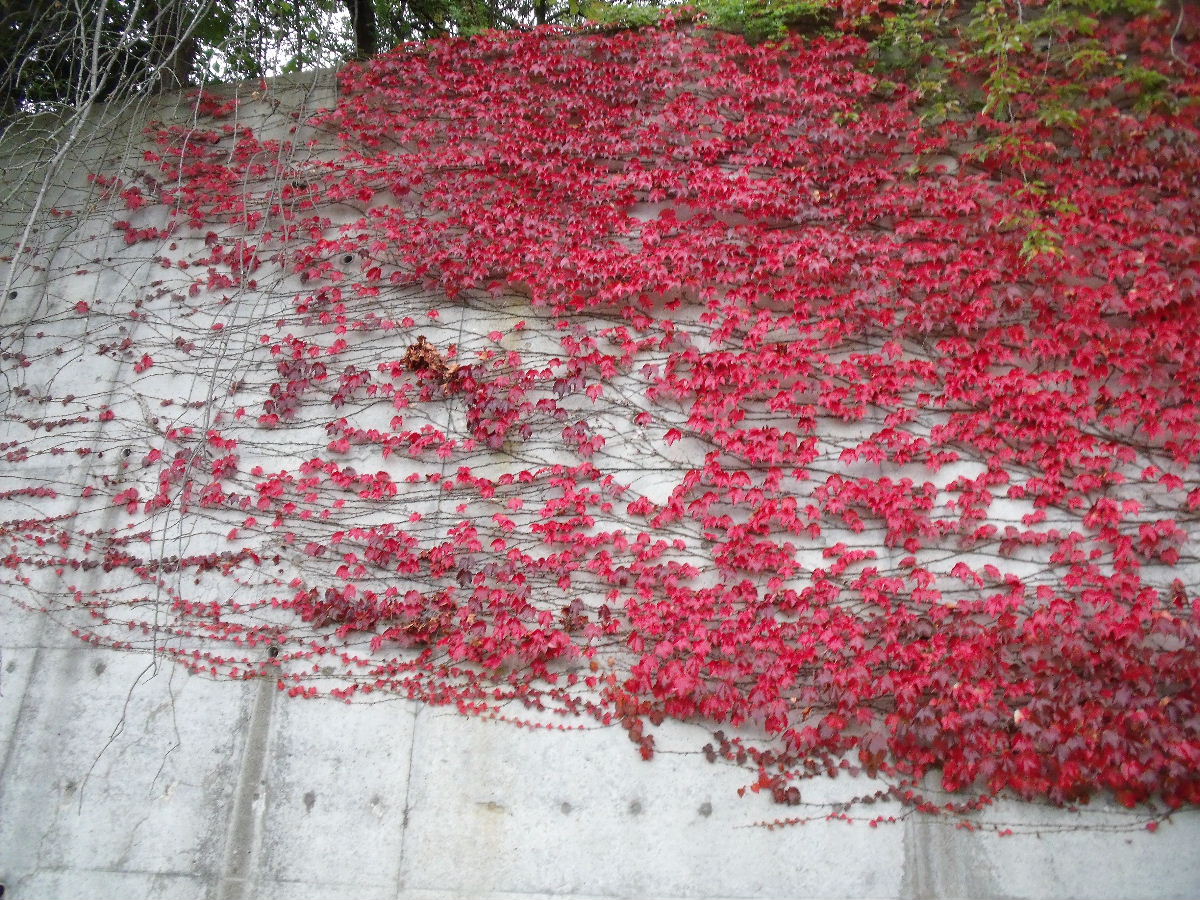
(125, 776)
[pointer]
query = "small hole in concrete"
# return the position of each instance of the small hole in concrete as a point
(706, 809)
(635, 808)
(99, 668)
(310, 800)
(273, 652)
(348, 258)
(12, 295)
(566, 808)
(11, 667)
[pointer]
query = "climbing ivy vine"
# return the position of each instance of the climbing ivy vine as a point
(605, 379)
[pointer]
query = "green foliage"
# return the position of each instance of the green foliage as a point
(756, 20)
(43, 58)
(912, 46)
(908, 39)
(1154, 89)
(1123, 7)
(255, 38)
(1041, 240)
(54, 54)
(1013, 48)
(622, 15)
(768, 20)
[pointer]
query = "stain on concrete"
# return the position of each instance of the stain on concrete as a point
(705, 809)
(242, 839)
(310, 800)
(940, 861)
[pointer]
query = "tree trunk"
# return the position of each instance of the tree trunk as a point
(173, 55)
(366, 33)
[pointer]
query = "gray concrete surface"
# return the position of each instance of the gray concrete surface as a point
(126, 777)
(124, 781)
